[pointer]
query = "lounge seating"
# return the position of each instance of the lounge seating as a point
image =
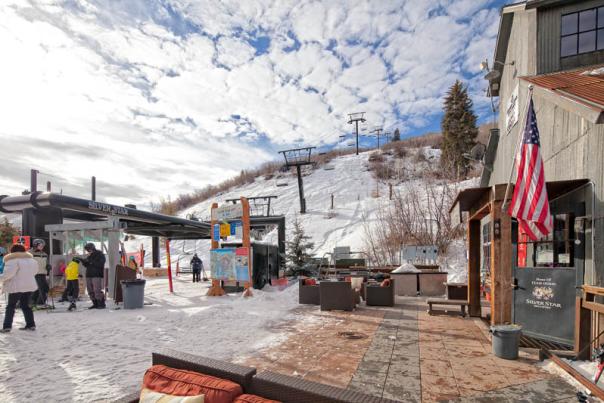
(308, 294)
(267, 385)
(448, 302)
(336, 295)
(380, 295)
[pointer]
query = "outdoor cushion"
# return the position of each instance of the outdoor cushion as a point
(385, 283)
(310, 281)
(150, 396)
(245, 398)
(160, 378)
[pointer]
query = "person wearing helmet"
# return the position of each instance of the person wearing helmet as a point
(95, 268)
(196, 266)
(37, 251)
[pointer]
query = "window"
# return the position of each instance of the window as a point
(556, 250)
(582, 32)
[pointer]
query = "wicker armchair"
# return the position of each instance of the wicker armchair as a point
(376, 295)
(336, 295)
(308, 294)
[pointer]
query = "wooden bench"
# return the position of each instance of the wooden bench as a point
(450, 302)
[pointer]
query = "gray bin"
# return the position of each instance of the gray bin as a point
(133, 292)
(506, 339)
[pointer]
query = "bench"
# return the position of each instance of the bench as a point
(450, 302)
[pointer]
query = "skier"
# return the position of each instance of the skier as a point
(73, 284)
(95, 268)
(196, 266)
(39, 297)
(19, 282)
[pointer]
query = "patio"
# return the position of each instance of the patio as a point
(402, 353)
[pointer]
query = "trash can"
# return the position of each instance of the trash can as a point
(505, 340)
(133, 292)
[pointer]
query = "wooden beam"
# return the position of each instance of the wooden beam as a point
(582, 331)
(501, 266)
(593, 388)
(474, 267)
(590, 289)
(593, 306)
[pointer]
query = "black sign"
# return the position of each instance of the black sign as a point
(544, 303)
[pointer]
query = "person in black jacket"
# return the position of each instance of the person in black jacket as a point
(196, 266)
(95, 268)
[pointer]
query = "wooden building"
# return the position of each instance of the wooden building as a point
(557, 49)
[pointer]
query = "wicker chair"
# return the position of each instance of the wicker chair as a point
(336, 295)
(270, 385)
(376, 295)
(308, 294)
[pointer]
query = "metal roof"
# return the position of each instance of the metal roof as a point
(575, 84)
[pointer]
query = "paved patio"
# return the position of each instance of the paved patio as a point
(404, 354)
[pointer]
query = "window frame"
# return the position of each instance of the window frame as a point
(599, 11)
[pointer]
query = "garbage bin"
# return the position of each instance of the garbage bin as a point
(133, 292)
(506, 339)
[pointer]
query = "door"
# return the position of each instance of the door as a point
(547, 274)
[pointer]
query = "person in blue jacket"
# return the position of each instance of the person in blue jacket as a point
(2, 253)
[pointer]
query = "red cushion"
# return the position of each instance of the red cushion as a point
(385, 283)
(253, 399)
(179, 382)
(310, 281)
(348, 279)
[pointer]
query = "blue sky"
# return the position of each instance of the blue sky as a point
(159, 97)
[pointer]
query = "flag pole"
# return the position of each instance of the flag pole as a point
(506, 203)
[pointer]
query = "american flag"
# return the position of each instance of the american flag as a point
(530, 205)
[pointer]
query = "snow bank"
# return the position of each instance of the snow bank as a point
(91, 355)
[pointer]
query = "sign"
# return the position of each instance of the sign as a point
(512, 111)
(225, 230)
(237, 228)
(22, 240)
(216, 232)
(107, 208)
(227, 212)
(230, 264)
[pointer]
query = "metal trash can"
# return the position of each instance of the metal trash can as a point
(505, 340)
(133, 292)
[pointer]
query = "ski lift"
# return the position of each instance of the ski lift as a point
(281, 182)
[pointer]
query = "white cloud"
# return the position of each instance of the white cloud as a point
(173, 92)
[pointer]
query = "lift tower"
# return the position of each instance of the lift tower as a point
(298, 157)
(356, 118)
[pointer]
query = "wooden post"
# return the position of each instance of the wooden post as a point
(215, 289)
(390, 190)
(245, 221)
(582, 330)
(332, 201)
(169, 265)
(501, 265)
(474, 268)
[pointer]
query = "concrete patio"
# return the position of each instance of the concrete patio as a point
(404, 354)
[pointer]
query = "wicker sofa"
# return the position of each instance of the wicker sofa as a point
(376, 295)
(308, 294)
(266, 384)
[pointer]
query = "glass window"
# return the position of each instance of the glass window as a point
(569, 24)
(556, 250)
(601, 38)
(587, 41)
(587, 20)
(601, 17)
(568, 45)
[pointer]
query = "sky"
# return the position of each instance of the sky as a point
(161, 97)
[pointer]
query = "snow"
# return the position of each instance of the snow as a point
(102, 354)
(586, 368)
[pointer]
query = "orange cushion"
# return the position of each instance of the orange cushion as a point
(253, 399)
(310, 281)
(385, 283)
(179, 382)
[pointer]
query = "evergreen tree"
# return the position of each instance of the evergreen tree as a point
(7, 232)
(397, 135)
(298, 249)
(459, 130)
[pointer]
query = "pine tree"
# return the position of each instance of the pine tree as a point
(397, 135)
(297, 253)
(459, 130)
(7, 232)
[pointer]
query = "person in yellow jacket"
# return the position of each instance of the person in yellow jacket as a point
(72, 272)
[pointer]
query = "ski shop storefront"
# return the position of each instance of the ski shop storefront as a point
(514, 280)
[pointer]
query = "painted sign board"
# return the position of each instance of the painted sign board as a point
(230, 264)
(22, 240)
(216, 232)
(227, 212)
(511, 110)
(225, 229)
